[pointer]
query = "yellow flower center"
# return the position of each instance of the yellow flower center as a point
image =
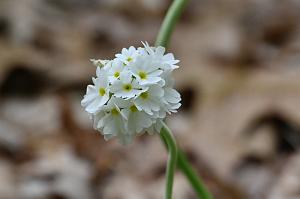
(145, 95)
(143, 75)
(129, 59)
(102, 91)
(127, 87)
(114, 111)
(133, 108)
(117, 74)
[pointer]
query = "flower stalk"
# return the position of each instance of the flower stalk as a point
(192, 176)
(176, 156)
(182, 164)
(169, 22)
(170, 142)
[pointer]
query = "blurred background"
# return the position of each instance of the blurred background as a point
(239, 80)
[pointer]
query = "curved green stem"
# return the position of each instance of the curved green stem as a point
(163, 39)
(186, 168)
(170, 141)
(192, 176)
(169, 22)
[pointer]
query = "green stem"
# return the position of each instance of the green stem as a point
(169, 22)
(163, 39)
(192, 176)
(170, 141)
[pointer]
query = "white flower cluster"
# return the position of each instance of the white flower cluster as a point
(132, 93)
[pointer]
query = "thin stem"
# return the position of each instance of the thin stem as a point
(170, 141)
(163, 39)
(169, 22)
(192, 176)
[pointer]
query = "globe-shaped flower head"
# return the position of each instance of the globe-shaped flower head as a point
(132, 93)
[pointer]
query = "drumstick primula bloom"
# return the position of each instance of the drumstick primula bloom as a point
(132, 93)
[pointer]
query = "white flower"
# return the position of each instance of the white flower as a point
(127, 55)
(136, 120)
(150, 100)
(172, 100)
(167, 61)
(97, 95)
(146, 70)
(126, 87)
(171, 97)
(115, 70)
(113, 121)
(132, 93)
